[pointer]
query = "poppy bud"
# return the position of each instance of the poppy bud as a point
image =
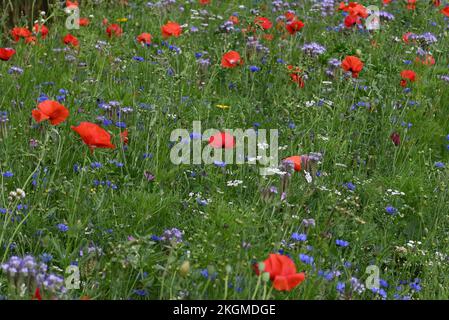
(396, 138)
(185, 268)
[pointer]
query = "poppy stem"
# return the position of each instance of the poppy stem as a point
(257, 287)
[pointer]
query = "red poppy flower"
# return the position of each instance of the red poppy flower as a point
(352, 64)
(6, 53)
(427, 60)
(445, 11)
(222, 140)
(436, 3)
(234, 19)
(356, 9)
(395, 138)
(295, 75)
(295, 161)
(31, 40)
(144, 38)
(94, 136)
(21, 32)
(294, 26)
(411, 4)
(42, 29)
(73, 4)
(231, 59)
(204, 2)
(290, 16)
(71, 39)
(52, 111)
(263, 22)
(124, 137)
(114, 30)
(83, 22)
(386, 1)
(282, 272)
(407, 75)
(171, 29)
(351, 21)
(37, 295)
(406, 37)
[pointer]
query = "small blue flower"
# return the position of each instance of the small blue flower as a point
(220, 164)
(204, 273)
(7, 174)
(62, 227)
(155, 238)
(341, 243)
(299, 236)
(46, 257)
(141, 292)
(96, 165)
(341, 287)
(254, 68)
(391, 210)
(350, 186)
(120, 124)
(439, 164)
(306, 259)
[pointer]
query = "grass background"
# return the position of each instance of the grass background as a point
(356, 148)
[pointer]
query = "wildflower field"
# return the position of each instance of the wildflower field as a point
(93, 204)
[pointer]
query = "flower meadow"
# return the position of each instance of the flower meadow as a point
(92, 207)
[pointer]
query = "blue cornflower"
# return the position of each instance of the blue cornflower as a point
(341, 243)
(380, 292)
(155, 238)
(350, 186)
(383, 283)
(62, 227)
(46, 257)
(96, 165)
(391, 210)
(7, 174)
(439, 164)
(42, 98)
(341, 287)
(137, 58)
(304, 258)
(205, 273)
(299, 236)
(254, 68)
(141, 292)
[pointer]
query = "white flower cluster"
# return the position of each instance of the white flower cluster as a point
(16, 195)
